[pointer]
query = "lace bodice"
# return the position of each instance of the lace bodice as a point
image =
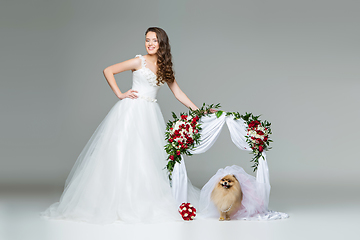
(150, 75)
(144, 81)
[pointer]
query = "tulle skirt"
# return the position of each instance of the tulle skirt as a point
(119, 176)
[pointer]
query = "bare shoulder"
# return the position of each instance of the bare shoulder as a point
(136, 62)
(145, 56)
(132, 64)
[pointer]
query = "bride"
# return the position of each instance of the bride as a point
(119, 176)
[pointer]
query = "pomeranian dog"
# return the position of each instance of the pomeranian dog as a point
(227, 196)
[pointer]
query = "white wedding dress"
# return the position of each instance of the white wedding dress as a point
(119, 176)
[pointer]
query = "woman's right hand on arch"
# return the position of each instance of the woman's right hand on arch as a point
(129, 94)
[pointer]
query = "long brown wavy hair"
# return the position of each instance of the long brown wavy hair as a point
(165, 72)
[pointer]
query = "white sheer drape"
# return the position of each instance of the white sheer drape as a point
(211, 128)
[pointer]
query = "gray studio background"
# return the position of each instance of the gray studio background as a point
(294, 62)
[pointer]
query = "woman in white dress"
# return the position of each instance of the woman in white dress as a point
(119, 176)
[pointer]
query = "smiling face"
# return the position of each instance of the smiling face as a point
(151, 43)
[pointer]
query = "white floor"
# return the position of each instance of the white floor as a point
(317, 213)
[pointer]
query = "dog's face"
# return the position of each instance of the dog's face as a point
(228, 181)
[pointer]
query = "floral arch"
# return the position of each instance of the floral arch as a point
(240, 128)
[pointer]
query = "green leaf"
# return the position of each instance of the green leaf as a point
(219, 113)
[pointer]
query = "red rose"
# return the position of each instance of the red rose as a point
(261, 148)
(172, 157)
(254, 124)
(178, 152)
(260, 132)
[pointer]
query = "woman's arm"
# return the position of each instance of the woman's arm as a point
(181, 96)
(109, 72)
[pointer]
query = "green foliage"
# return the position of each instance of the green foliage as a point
(204, 110)
(218, 113)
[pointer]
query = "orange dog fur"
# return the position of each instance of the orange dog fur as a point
(227, 196)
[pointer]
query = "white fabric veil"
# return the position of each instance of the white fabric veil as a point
(252, 202)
